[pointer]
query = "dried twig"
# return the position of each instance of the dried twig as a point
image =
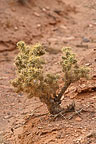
(75, 113)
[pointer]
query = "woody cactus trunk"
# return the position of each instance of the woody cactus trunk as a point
(32, 80)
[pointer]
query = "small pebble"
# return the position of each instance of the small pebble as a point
(36, 14)
(86, 40)
(15, 28)
(78, 119)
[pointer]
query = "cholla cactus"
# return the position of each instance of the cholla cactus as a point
(71, 69)
(30, 76)
(32, 80)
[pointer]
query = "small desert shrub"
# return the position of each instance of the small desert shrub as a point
(32, 80)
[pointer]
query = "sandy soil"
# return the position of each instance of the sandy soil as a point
(54, 23)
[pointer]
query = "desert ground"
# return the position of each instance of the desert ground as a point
(55, 24)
